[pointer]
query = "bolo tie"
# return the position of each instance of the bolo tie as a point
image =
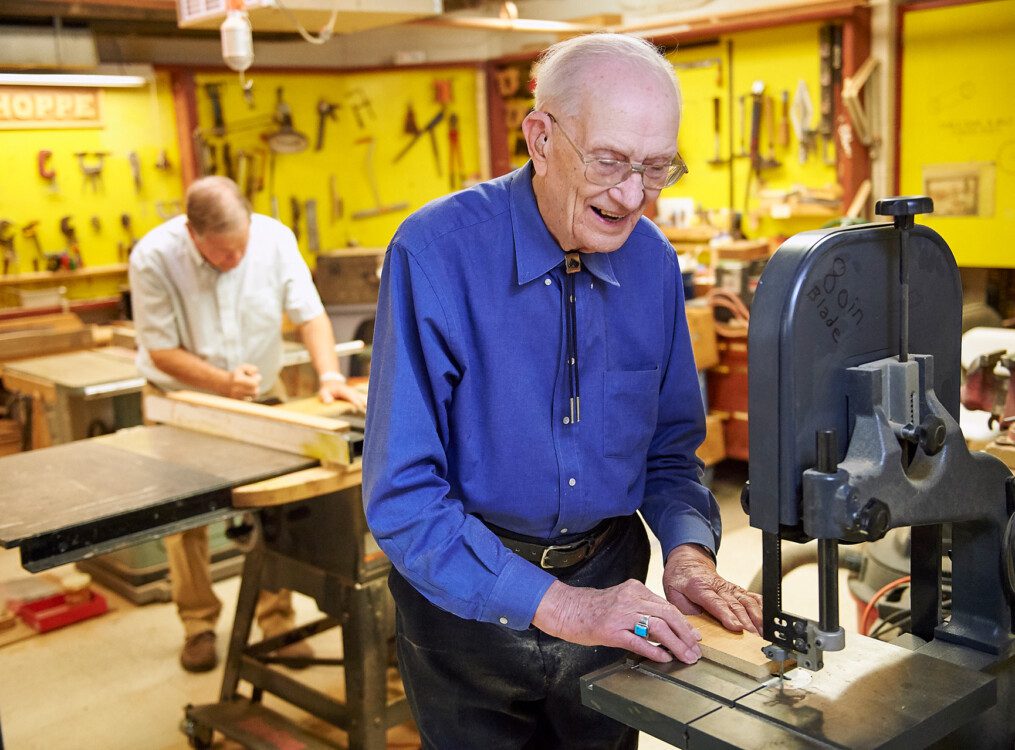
(572, 265)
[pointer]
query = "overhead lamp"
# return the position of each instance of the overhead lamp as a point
(93, 80)
(237, 37)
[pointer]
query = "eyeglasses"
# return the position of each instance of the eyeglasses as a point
(611, 172)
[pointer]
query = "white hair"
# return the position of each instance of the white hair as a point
(562, 69)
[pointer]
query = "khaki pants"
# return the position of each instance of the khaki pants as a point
(190, 574)
(199, 608)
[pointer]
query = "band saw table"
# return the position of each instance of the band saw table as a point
(302, 525)
(854, 400)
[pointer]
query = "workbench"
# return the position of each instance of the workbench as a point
(79, 394)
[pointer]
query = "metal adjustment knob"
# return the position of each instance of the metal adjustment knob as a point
(745, 498)
(874, 520)
(932, 434)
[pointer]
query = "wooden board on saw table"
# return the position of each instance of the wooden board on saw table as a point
(738, 651)
(317, 437)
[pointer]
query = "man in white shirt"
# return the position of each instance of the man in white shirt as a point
(208, 292)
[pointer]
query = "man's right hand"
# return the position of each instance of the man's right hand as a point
(244, 382)
(606, 617)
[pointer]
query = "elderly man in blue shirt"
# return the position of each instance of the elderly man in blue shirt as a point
(533, 389)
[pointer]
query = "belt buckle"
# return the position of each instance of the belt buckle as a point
(543, 563)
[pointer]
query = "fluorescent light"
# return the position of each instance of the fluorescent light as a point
(72, 79)
(487, 23)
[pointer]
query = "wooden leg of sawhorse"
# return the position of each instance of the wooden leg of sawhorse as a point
(366, 661)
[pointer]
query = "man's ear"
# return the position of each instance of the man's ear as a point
(536, 128)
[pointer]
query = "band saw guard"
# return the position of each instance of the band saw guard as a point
(847, 441)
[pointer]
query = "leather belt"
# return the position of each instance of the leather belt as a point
(549, 556)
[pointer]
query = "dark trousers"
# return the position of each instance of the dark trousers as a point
(479, 685)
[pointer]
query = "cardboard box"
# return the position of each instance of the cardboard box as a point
(701, 325)
(713, 447)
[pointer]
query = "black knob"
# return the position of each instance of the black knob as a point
(904, 205)
(932, 434)
(874, 520)
(745, 498)
(904, 208)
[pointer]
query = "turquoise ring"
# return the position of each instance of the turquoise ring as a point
(641, 628)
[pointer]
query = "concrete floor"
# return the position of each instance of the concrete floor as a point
(114, 683)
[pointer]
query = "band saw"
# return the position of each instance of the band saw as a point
(854, 377)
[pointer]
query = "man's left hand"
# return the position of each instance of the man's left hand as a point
(330, 391)
(692, 584)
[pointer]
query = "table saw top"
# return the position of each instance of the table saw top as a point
(73, 501)
(76, 370)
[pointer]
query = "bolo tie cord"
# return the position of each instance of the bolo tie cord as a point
(572, 265)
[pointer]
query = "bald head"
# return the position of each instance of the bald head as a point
(215, 205)
(569, 74)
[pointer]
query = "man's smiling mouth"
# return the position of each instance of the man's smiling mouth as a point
(607, 215)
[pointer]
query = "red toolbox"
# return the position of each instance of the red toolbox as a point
(54, 612)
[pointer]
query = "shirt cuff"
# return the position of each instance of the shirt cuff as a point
(688, 530)
(516, 595)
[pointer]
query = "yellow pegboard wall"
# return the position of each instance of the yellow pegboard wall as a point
(958, 116)
(779, 57)
(372, 109)
(138, 120)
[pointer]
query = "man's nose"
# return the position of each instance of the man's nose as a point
(631, 191)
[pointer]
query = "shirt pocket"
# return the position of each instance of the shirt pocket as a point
(631, 409)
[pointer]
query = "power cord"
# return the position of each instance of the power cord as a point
(323, 36)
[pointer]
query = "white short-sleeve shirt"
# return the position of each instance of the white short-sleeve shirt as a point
(227, 319)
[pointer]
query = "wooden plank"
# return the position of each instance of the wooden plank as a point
(738, 651)
(713, 448)
(52, 322)
(252, 426)
(123, 336)
(300, 485)
(1004, 452)
(40, 277)
(314, 406)
(743, 250)
(23, 344)
(236, 406)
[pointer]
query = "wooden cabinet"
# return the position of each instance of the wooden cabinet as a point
(727, 394)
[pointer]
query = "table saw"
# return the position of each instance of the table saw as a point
(854, 374)
(304, 530)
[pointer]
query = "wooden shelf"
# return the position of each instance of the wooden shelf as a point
(41, 277)
(697, 234)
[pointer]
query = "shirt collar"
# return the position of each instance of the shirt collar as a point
(536, 252)
(188, 243)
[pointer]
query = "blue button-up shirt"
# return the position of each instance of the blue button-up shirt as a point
(469, 412)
